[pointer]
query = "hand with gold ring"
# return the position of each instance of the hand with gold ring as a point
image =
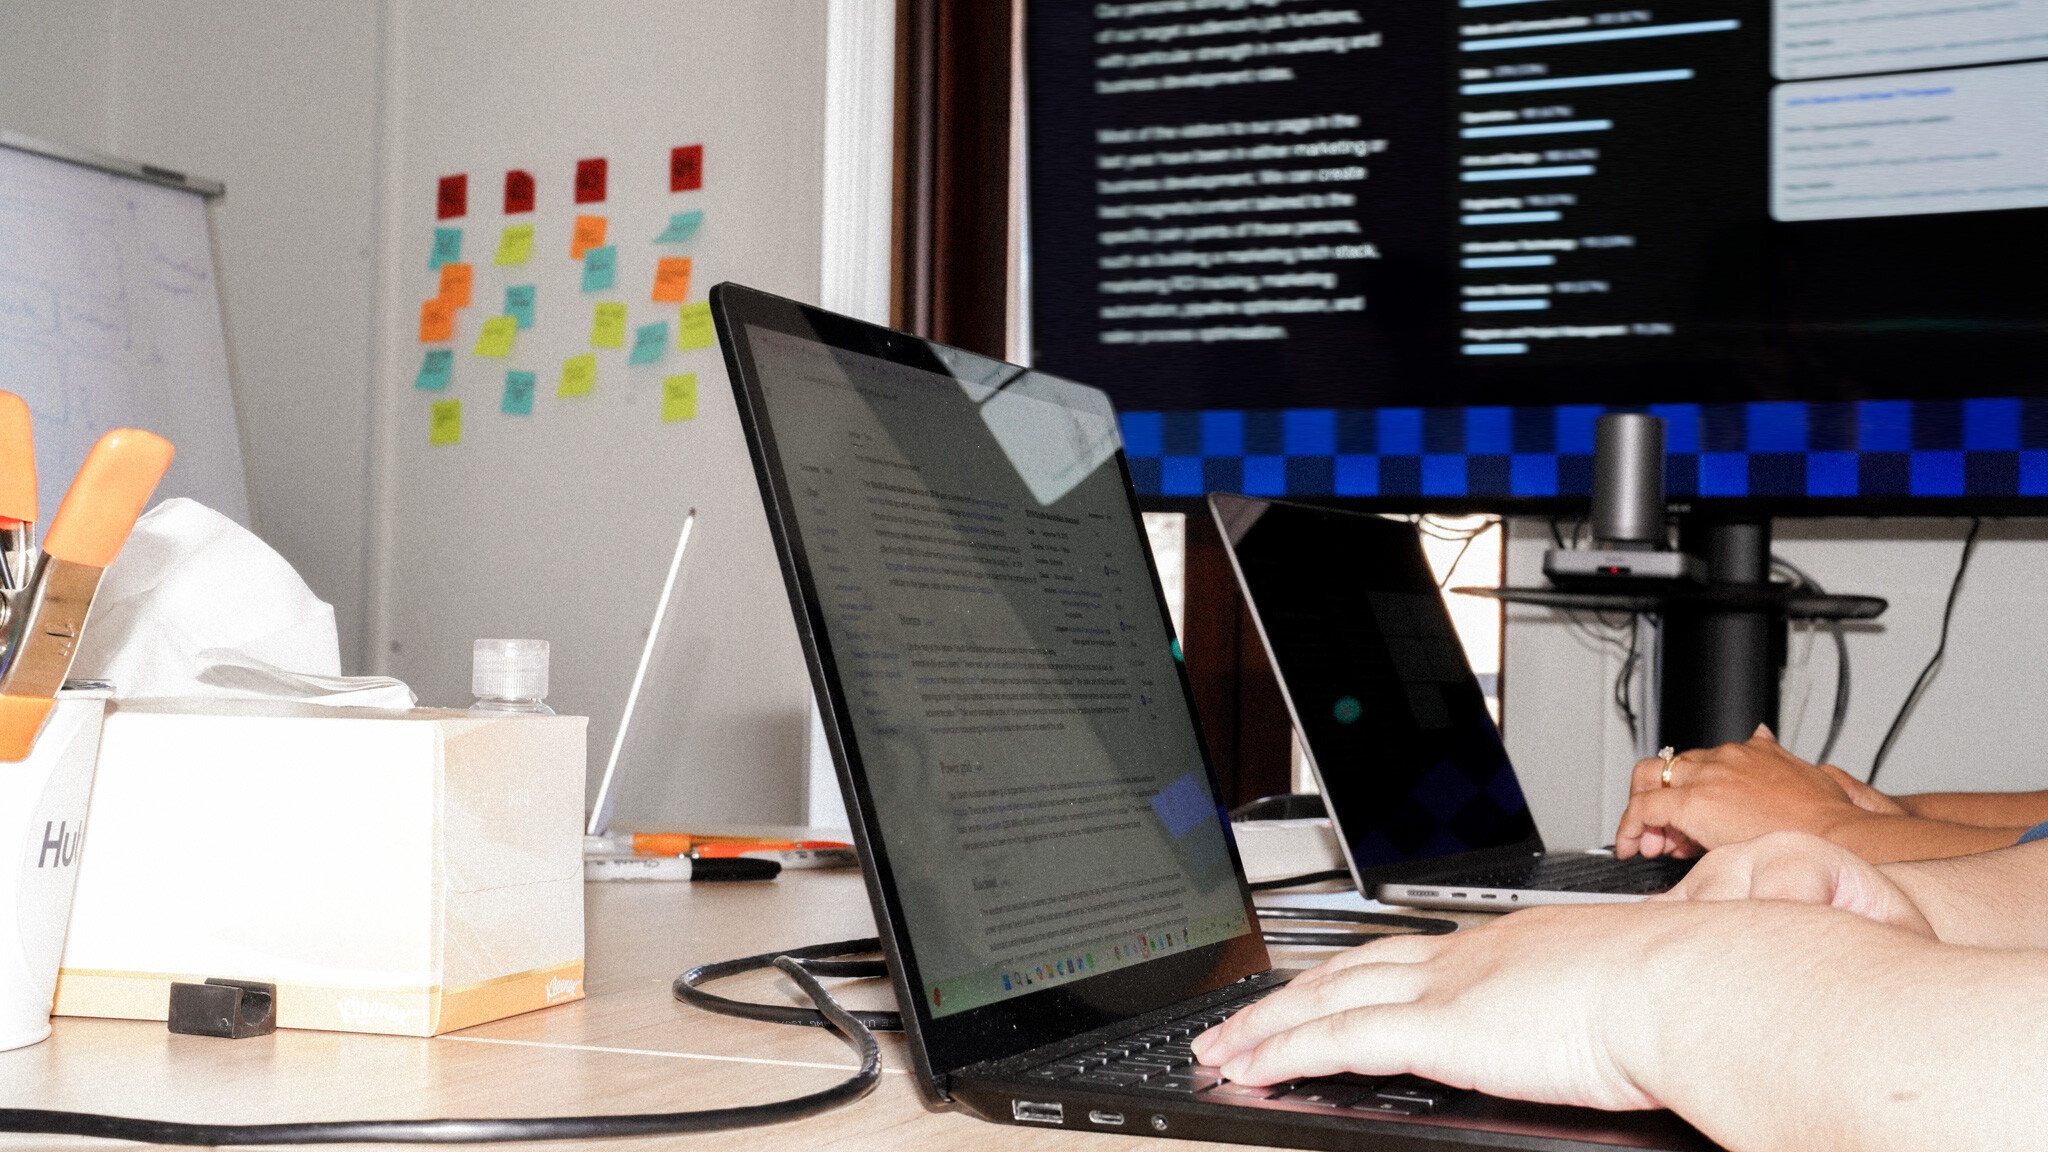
(1730, 793)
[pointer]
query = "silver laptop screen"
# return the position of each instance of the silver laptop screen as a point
(1007, 669)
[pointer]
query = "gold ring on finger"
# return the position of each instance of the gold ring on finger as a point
(1670, 759)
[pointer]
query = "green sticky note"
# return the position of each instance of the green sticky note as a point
(445, 425)
(447, 248)
(496, 337)
(516, 245)
(679, 398)
(518, 398)
(435, 370)
(681, 227)
(695, 330)
(608, 326)
(519, 303)
(579, 373)
(649, 341)
(600, 268)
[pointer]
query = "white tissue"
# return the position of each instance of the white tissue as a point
(197, 605)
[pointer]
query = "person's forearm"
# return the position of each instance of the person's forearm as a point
(1884, 839)
(1813, 1030)
(1992, 900)
(1983, 809)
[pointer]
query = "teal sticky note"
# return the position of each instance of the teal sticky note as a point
(519, 304)
(600, 268)
(518, 398)
(681, 227)
(435, 370)
(649, 342)
(447, 248)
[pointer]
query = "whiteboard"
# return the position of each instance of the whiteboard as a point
(110, 317)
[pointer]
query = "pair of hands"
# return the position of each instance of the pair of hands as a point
(1738, 792)
(1552, 1004)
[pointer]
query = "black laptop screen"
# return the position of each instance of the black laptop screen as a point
(1411, 764)
(1008, 676)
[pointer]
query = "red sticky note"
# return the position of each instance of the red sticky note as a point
(456, 280)
(587, 234)
(518, 191)
(590, 181)
(686, 168)
(437, 321)
(453, 200)
(671, 279)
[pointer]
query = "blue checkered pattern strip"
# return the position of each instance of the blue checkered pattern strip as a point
(1866, 448)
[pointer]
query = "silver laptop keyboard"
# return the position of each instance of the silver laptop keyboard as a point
(1571, 872)
(1159, 1059)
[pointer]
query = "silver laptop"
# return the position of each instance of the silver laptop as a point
(1418, 784)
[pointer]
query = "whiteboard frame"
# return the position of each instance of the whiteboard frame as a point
(86, 157)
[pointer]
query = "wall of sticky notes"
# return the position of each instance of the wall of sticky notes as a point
(567, 188)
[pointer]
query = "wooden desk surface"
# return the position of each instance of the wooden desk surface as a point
(627, 1047)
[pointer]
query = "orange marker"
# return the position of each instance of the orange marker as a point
(17, 494)
(47, 618)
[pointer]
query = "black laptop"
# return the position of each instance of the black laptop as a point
(1057, 892)
(1412, 770)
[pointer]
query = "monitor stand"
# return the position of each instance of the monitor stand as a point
(1723, 639)
(1722, 661)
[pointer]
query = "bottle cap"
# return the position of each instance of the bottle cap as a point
(510, 670)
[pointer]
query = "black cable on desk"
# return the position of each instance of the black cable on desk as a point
(829, 1013)
(813, 959)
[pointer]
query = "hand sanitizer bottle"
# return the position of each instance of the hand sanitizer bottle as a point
(510, 676)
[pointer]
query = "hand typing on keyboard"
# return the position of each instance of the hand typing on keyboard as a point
(1734, 792)
(1768, 1024)
(1527, 1007)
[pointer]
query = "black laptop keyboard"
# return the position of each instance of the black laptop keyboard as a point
(1576, 872)
(1158, 1059)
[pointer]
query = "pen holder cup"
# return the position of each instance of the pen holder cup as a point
(42, 827)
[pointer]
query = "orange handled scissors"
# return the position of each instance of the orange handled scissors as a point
(46, 593)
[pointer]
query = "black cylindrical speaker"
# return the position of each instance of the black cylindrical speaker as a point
(1628, 480)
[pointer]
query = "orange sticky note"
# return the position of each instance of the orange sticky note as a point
(671, 280)
(589, 234)
(437, 321)
(455, 283)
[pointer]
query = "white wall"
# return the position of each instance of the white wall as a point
(327, 120)
(560, 525)
(280, 103)
(1972, 731)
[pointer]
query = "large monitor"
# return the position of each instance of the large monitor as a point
(1409, 250)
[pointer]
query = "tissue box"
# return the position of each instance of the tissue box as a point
(400, 872)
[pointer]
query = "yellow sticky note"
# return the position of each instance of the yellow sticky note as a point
(608, 326)
(497, 336)
(579, 373)
(679, 398)
(445, 425)
(672, 280)
(437, 321)
(695, 330)
(589, 234)
(455, 283)
(516, 245)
